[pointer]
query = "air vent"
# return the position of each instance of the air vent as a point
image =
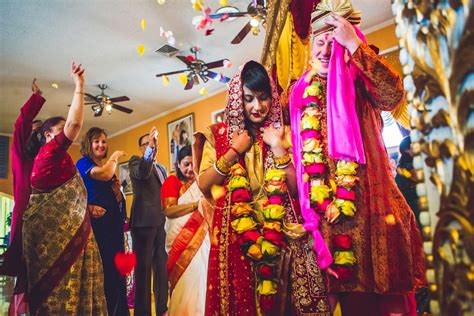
(167, 50)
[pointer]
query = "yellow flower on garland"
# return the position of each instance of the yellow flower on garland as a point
(309, 158)
(239, 209)
(254, 252)
(243, 224)
(274, 212)
(313, 90)
(309, 122)
(347, 207)
(238, 182)
(320, 192)
(344, 258)
(237, 170)
(267, 287)
(312, 145)
(274, 186)
(269, 249)
(275, 174)
(346, 168)
(272, 225)
(346, 180)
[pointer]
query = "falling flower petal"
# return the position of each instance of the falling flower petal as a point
(166, 80)
(55, 85)
(171, 40)
(183, 78)
(197, 5)
(217, 192)
(390, 219)
(209, 32)
(227, 63)
(223, 3)
(203, 91)
(141, 49)
(143, 24)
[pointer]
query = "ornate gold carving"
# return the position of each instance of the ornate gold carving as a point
(437, 55)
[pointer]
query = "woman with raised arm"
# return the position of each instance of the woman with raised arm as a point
(187, 239)
(107, 207)
(62, 258)
(260, 260)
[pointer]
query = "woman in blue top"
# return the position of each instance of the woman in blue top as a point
(106, 205)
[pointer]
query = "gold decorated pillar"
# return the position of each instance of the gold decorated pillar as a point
(437, 54)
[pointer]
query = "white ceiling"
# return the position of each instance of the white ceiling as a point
(40, 39)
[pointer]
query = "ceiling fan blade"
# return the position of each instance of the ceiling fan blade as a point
(189, 85)
(217, 77)
(243, 32)
(184, 60)
(216, 16)
(122, 108)
(90, 96)
(120, 99)
(86, 103)
(215, 64)
(171, 73)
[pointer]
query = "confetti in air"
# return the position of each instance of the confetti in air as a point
(166, 80)
(143, 24)
(141, 49)
(183, 78)
(55, 85)
(203, 91)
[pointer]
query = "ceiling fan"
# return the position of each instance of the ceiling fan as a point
(257, 9)
(103, 101)
(198, 69)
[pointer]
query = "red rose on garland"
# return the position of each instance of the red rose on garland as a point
(266, 271)
(240, 195)
(277, 238)
(251, 235)
(344, 273)
(267, 302)
(342, 241)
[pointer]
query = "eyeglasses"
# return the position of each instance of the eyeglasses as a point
(144, 144)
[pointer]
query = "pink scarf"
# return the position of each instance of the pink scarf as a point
(342, 122)
(344, 138)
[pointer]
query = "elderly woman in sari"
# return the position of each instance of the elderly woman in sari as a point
(62, 258)
(187, 240)
(260, 259)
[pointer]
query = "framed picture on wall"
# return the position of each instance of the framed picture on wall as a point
(180, 134)
(217, 116)
(124, 173)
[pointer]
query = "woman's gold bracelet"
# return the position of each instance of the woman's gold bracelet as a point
(282, 160)
(223, 166)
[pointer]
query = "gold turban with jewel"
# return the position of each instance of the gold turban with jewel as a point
(325, 7)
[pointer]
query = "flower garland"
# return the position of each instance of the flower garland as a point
(261, 238)
(332, 197)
